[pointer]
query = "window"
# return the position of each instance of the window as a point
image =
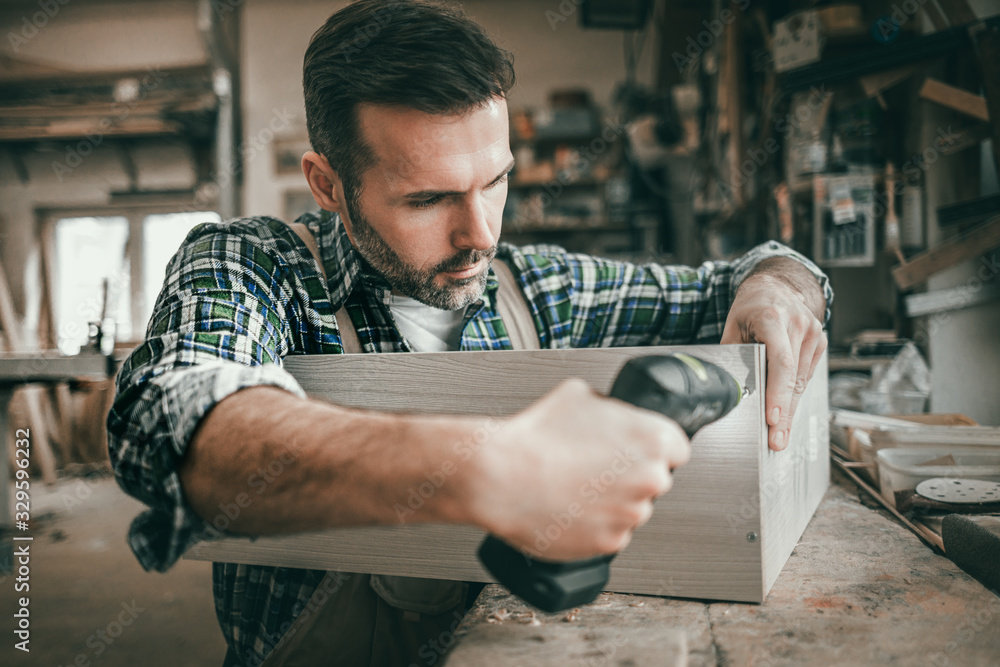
(91, 265)
(121, 258)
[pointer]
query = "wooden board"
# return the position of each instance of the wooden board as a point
(569, 645)
(955, 98)
(42, 367)
(972, 243)
(696, 545)
(793, 481)
(934, 436)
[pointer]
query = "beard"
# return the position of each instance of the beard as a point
(415, 283)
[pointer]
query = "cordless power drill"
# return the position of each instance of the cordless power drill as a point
(693, 393)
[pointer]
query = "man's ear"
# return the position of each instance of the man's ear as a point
(324, 182)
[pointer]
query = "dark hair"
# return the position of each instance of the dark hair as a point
(401, 53)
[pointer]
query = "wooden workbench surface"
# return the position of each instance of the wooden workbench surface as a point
(859, 589)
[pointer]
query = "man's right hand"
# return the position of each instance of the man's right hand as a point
(575, 473)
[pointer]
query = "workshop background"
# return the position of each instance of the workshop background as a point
(865, 135)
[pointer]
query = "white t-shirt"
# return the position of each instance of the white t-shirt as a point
(428, 329)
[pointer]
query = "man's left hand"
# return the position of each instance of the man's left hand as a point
(780, 305)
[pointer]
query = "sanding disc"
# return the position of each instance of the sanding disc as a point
(957, 490)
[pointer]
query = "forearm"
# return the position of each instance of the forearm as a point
(291, 465)
(796, 276)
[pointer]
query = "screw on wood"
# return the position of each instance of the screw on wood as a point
(751, 537)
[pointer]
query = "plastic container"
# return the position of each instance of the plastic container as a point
(900, 469)
(892, 402)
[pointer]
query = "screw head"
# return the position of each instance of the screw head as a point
(751, 537)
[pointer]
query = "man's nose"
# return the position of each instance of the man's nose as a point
(472, 229)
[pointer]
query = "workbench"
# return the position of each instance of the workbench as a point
(859, 589)
(17, 370)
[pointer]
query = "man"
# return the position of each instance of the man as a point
(410, 170)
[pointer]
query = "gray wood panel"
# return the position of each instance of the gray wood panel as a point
(694, 546)
(796, 479)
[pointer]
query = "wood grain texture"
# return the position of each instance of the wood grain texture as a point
(688, 549)
(570, 645)
(975, 242)
(795, 479)
(40, 367)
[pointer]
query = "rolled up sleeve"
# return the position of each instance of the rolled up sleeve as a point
(219, 325)
(604, 303)
(745, 264)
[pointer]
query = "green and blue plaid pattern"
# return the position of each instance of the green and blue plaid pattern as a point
(239, 297)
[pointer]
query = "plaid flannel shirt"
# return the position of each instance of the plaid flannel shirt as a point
(239, 297)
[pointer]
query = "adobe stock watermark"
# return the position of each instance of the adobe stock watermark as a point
(587, 155)
(75, 495)
(246, 152)
(464, 449)
(758, 157)
(259, 481)
(223, 7)
(30, 25)
(102, 638)
(381, 17)
(697, 45)
(590, 491)
(771, 490)
(887, 28)
(328, 587)
(432, 650)
(979, 621)
(566, 9)
(912, 170)
(77, 152)
(603, 650)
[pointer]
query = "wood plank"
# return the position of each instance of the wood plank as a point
(696, 543)
(569, 645)
(874, 84)
(795, 480)
(43, 456)
(972, 243)
(452, 383)
(732, 80)
(955, 98)
(844, 418)
(8, 319)
(970, 137)
(50, 367)
(48, 339)
(955, 298)
(935, 436)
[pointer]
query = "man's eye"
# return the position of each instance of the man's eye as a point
(426, 203)
(500, 181)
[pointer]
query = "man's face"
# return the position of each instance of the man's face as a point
(429, 212)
